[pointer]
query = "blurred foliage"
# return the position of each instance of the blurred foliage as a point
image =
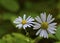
(11, 5)
(58, 32)
(14, 38)
(11, 9)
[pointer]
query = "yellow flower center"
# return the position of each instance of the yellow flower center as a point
(44, 25)
(24, 22)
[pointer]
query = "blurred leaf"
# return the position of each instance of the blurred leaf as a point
(8, 16)
(58, 16)
(2, 31)
(29, 13)
(8, 38)
(58, 5)
(6, 27)
(58, 32)
(57, 42)
(28, 5)
(16, 38)
(52, 36)
(20, 36)
(2, 41)
(11, 5)
(21, 41)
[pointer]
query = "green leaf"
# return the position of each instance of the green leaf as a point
(11, 5)
(2, 41)
(57, 42)
(52, 36)
(8, 38)
(21, 41)
(58, 32)
(16, 38)
(22, 38)
(19, 36)
(8, 16)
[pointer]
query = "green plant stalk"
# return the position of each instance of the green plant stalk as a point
(27, 34)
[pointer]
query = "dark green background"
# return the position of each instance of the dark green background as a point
(11, 9)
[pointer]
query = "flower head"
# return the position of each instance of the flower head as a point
(45, 25)
(23, 22)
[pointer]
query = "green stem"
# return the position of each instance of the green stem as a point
(27, 34)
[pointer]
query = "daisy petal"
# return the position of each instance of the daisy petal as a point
(52, 24)
(30, 24)
(44, 34)
(52, 28)
(51, 20)
(19, 26)
(41, 33)
(51, 31)
(38, 32)
(26, 25)
(31, 19)
(24, 17)
(18, 20)
(38, 19)
(28, 18)
(35, 23)
(37, 26)
(43, 17)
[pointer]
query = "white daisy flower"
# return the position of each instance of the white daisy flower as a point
(23, 22)
(45, 25)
